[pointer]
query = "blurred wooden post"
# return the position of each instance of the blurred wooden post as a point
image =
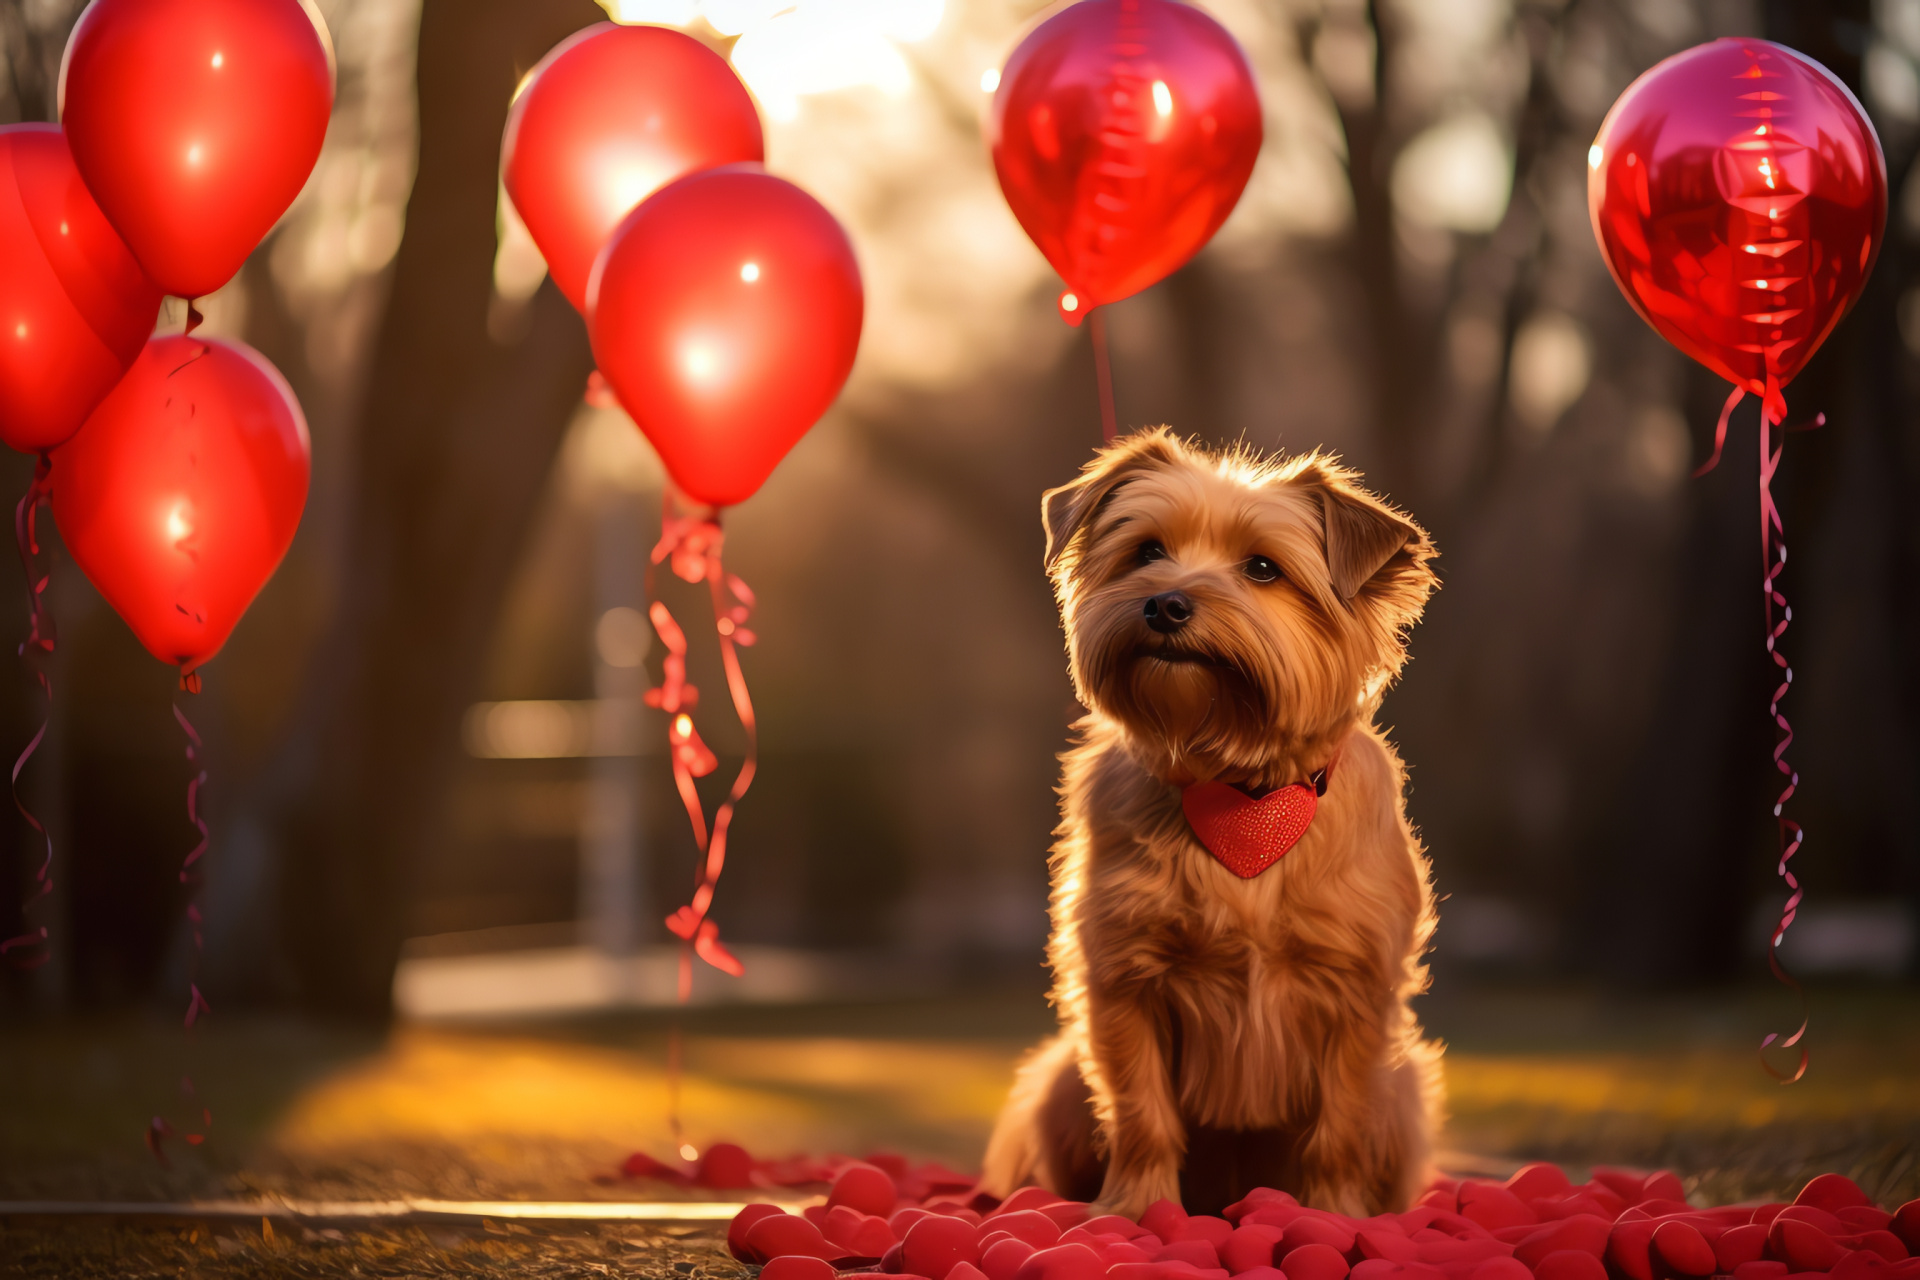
(611, 885)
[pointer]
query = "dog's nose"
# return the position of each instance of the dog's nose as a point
(1169, 611)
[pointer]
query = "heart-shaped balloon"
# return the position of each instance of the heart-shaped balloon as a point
(195, 124)
(182, 492)
(1738, 194)
(1123, 132)
(75, 308)
(1245, 835)
(725, 311)
(607, 118)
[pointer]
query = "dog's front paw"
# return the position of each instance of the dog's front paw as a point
(1130, 1196)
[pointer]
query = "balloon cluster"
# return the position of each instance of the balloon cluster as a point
(1739, 194)
(724, 307)
(177, 467)
(723, 303)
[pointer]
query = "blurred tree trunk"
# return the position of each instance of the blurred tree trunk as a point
(455, 440)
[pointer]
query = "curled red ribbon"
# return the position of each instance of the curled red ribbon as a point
(158, 1129)
(28, 949)
(691, 547)
(1773, 410)
(1773, 561)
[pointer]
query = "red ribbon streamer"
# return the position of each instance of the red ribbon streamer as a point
(1773, 561)
(1773, 410)
(691, 546)
(158, 1129)
(31, 943)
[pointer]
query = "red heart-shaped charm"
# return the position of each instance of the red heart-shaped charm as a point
(1246, 836)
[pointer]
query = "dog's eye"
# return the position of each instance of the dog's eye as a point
(1151, 551)
(1261, 569)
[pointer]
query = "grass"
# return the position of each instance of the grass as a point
(547, 1111)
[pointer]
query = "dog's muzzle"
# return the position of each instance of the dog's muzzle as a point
(1168, 612)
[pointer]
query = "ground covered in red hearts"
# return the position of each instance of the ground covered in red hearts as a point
(927, 1221)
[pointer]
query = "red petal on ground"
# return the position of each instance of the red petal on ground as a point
(864, 1187)
(1492, 1205)
(1801, 1245)
(1003, 1259)
(1539, 1181)
(1570, 1264)
(1313, 1262)
(796, 1267)
(1683, 1249)
(1832, 1192)
(742, 1223)
(1906, 1225)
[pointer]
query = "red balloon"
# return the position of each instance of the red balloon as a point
(1123, 132)
(75, 308)
(610, 116)
(1739, 194)
(725, 311)
(182, 492)
(195, 124)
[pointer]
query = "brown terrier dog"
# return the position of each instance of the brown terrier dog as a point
(1230, 1018)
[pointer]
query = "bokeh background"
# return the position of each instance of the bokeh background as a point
(430, 782)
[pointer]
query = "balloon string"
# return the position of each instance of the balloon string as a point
(29, 949)
(1773, 554)
(1103, 372)
(158, 1129)
(1720, 433)
(691, 547)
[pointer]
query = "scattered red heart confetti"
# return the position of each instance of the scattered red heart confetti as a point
(1537, 1225)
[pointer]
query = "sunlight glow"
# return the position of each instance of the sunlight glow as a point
(1162, 98)
(788, 49)
(218, 59)
(1069, 302)
(749, 271)
(990, 80)
(1457, 175)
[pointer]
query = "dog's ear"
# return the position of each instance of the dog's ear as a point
(1364, 537)
(1066, 510)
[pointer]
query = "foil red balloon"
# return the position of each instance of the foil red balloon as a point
(1739, 195)
(75, 308)
(182, 492)
(195, 124)
(607, 118)
(725, 311)
(1123, 132)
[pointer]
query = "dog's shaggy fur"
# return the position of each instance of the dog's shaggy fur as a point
(1217, 1033)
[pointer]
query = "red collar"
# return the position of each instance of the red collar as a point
(1245, 835)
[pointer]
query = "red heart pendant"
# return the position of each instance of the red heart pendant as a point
(1246, 836)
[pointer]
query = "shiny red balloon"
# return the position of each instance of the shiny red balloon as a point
(1739, 195)
(75, 308)
(180, 495)
(725, 312)
(607, 118)
(195, 124)
(1123, 132)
